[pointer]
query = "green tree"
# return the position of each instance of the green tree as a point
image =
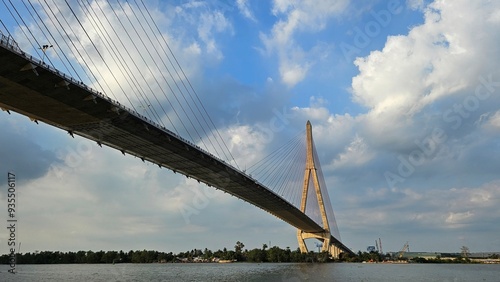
(238, 248)
(256, 255)
(99, 256)
(464, 250)
(208, 254)
(92, 257)
(110, 257)
(273, 255)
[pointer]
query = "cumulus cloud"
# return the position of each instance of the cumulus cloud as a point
(431, 78)
(437, 59)
(292, 74)
(355, 154)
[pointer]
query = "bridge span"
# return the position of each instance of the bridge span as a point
(34, 89)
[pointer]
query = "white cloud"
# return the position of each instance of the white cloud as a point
(298, 16)
(210, 23)
(437, 59)
(494, 121)
(246, 143)
(417, 82)
(454, 219)
(355, 154)
(244, 8)
(416, 4)
(293, 74)
(313, 113)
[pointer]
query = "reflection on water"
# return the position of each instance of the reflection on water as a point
(253, 272)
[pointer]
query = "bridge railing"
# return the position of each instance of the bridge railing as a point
(9, 43)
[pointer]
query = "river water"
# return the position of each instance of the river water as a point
(254, 272)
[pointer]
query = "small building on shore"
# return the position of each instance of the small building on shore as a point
(425, 255)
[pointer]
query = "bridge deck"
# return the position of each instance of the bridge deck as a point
(46, 95)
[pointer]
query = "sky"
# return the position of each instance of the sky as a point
(403, 96)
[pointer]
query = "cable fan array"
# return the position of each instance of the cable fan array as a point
(282, 171)
(332, 222)
(118, 48)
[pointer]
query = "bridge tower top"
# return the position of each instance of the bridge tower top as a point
(309, 157)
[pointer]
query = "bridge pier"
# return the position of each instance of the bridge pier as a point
(335, 251)
(324, 237)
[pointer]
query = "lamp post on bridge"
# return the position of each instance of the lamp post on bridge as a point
(45, 48)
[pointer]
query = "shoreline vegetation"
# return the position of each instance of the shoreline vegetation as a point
(239, 254)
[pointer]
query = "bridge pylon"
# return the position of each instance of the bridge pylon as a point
(311, 177)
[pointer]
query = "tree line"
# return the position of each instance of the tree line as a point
(264, 254)
(240, 254)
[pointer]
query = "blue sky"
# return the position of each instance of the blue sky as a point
(404, 101)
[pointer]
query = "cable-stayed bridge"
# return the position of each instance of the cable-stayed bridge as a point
(33, 88)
